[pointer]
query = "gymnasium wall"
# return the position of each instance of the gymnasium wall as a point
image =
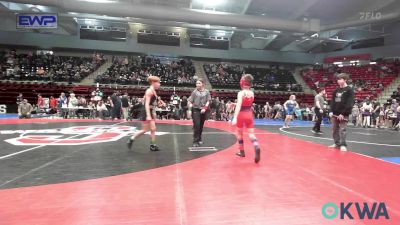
(377, 52)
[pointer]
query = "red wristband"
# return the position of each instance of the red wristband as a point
(205, 107)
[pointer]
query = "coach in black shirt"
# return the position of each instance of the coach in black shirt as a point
(341, 105)
(116, 106)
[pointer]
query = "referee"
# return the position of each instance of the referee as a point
(319, 110)
(198, 105)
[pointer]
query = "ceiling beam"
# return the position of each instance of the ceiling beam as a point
(123, 9)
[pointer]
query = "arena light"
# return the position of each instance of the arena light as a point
(211, 3)
(337, 63)
(221, 33)
(372, 63)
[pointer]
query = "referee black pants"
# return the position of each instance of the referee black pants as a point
(198, 124)
(317, 125)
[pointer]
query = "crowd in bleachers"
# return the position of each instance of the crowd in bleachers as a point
(46, 66)
(228, 76)
(76, 103)
(70, 104)
(396, 94)
(370, 113)
(367, 80)
(135, 70)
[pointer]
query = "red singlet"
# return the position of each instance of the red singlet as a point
(245, 117)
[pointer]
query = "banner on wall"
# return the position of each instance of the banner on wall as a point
(3, 109)
(37, 21)
(8, 108)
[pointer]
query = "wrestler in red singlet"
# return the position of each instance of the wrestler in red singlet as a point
(244, 118)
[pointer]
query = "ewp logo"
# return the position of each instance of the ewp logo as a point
(364, 211)
(3, 109)
(35, 21)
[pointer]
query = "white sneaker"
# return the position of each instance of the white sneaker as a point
(333, 146)
(343, 148)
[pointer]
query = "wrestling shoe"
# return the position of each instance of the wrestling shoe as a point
(154, 148)
(130, 143)
(195, 145)
(241, 153)
(257, 156)
(317, 131)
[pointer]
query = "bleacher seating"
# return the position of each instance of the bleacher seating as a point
(228, 76)
(135, 70)
(24, 77)
(46, 67)
(367, 80)
(396, 94)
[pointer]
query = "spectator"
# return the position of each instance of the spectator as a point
(394, 105)
(184, 108)
(82, 107)
(379, 114)
(354, 116)
(72, 105)
(102, 110)
(396, 125)
(367, 111)
(125, 105)
(20, 99)
(40, 102)
(25, 109)
(53, 105)
(277, 111)
(116, 106)
(267, 110)
(63, 105)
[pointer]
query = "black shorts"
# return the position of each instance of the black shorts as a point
(143, 115)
